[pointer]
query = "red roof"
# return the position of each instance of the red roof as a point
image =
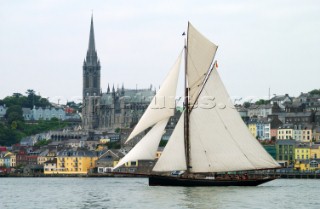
(3, 149)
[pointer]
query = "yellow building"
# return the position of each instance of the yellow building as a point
(315, 151)
(9, 159)
(1, 161)
(302, 152)
(13, 160)
(45, 156)
(253, 129)
(131, 164)
(74, 162)
(285, 132)
(307, 165)
(104, 141)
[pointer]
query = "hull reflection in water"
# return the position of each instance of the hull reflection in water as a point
(188, 182)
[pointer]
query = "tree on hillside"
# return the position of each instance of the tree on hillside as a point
(35, 100)
(315, 91)
(262, 102)
(26, 101)
(246, 104)
(8, 136)
(14, 113)
(17, 95)
(15, 99)
(14, 109)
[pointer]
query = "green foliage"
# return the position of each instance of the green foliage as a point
(114, 145)
(14, 129)
(13, 133)
(315, 91)
(262, 102)
(14, 125)
(42, 143)
(28, 101)
(14, 114)
(14, 109)
(43, 126)
(246, 104)
(9, 136)
(117, 130)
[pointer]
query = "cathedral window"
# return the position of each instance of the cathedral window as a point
(87, 82)
(95, 82)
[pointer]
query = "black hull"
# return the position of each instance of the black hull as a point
(177, 181)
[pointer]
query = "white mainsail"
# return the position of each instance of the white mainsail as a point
(163, 104)
(200, 52)
(219, 140)
(173, 156)
(147, 147)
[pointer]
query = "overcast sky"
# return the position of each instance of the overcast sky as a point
(262, 44)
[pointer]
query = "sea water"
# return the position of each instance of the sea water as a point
(81, 193)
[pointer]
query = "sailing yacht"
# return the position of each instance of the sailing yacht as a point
(210, 137)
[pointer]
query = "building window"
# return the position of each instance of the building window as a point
(313, 164)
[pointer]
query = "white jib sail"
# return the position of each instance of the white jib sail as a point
(147, 147)
(173, 156)
(201, 52)
(219, 139)
(163, 104)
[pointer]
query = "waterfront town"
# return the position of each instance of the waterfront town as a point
(288, 127)
(88, 138)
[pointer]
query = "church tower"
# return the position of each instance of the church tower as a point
(91, 85)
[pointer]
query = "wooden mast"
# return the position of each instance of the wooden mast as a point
(186, 108)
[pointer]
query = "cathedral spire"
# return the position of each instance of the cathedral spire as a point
(122, 89)
(113, 91)
(108, 89)
(92, 46)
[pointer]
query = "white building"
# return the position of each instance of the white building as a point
(261, 111)
(50, 166)
(281, 100)
(3, 110)
(48, 113)
(297, 133)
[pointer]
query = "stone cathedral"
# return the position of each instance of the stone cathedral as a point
(116, 108)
